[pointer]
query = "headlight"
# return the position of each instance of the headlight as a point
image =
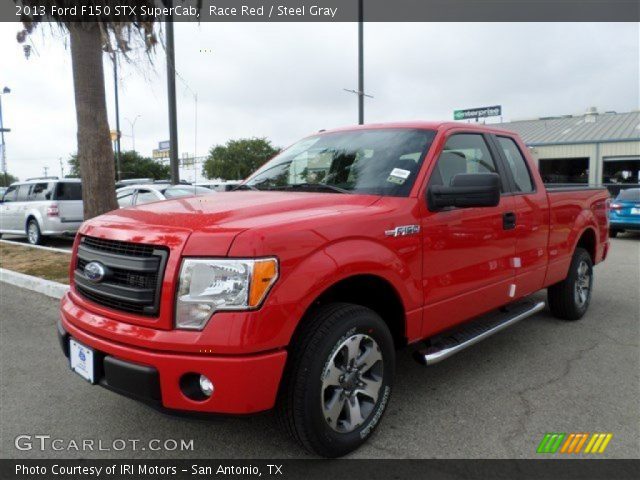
(210, 285)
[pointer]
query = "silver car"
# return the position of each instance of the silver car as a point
(141, 194)
(41, 207)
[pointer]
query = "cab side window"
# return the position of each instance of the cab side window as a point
(125, 198)
(23, 192)
(517, 164)
(10, 194)
(145, 196)
(41, 191)
(463, 153)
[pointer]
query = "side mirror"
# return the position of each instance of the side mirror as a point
(466, 190)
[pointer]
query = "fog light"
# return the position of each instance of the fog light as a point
(206, 386)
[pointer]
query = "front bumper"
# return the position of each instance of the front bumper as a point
(243, 384)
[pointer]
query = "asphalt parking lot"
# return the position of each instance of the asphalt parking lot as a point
(495, 400)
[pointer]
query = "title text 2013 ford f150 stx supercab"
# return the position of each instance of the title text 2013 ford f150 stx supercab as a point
(296, 290)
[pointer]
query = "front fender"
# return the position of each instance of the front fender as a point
(303, 278)
(348, 258)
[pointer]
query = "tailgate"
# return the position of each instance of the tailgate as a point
(70, 211)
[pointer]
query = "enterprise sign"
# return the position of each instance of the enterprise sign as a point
(481, 112)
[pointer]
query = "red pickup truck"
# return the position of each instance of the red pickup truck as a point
(297, 289)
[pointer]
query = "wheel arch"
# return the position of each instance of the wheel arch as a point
(368, 290)
(588, 241)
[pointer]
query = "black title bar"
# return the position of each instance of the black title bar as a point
(201, 469)
(324, 10)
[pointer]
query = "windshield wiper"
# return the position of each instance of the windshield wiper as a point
(313, 186)
(244, 186)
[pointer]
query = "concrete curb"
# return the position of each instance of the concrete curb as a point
(40, 247)
(36, 284)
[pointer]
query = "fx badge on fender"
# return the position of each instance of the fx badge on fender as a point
(403, 231)
(95, 271)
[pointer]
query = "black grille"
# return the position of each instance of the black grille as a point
(117, 247)
(133, 274)
(129, 279)
(111, 303)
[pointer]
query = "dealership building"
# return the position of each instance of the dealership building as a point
(594, 148)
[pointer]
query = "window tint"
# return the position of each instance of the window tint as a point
(376, 161)
(631, 195)
(69, 191)
(41, 191)
(463, 153)
(145, 196)
(23, 192)
(10, 194)
(517, 164)
(125, 198)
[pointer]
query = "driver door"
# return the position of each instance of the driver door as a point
(467, 252)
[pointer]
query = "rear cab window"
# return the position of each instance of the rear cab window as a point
(631, 195)
(68, 191)
(517, 164)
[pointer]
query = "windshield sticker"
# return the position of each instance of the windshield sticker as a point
(398, 176)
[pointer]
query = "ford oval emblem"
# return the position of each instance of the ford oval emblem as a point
(95, 271)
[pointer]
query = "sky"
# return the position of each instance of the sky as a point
(284, 81)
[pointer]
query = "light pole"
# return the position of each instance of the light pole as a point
(171, 94)
(360, 92)
(3, 154)
(133, 136)
(360, 64)
(115, 87)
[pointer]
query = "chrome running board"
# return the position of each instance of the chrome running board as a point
(449, 344)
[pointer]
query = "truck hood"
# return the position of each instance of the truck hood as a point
(213, 221)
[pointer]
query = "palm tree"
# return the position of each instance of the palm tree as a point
(88, 41)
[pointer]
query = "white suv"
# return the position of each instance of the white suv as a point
(40, 207)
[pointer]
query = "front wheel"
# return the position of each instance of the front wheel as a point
(569, 299)
(339, 378)
(34, 236)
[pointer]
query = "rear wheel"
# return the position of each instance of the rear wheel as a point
(569, 299)
(613, 233)
(339, 379)
(34, 236)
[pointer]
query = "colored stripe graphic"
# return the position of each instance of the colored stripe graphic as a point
(550, 442)
(598, 443)
(572, 443)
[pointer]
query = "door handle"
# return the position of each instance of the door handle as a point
(509, 221)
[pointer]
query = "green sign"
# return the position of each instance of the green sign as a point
(481, 112)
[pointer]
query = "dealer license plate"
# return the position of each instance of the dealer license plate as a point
(81, 359)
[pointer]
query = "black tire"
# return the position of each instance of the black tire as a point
(304, 394)
(614, 233)
(566, 299)
(34, 236)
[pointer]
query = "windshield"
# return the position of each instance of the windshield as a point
(377, 161)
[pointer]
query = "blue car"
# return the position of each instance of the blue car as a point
(625, 212)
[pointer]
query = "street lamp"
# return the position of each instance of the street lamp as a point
(133, 136)
(3, 155)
